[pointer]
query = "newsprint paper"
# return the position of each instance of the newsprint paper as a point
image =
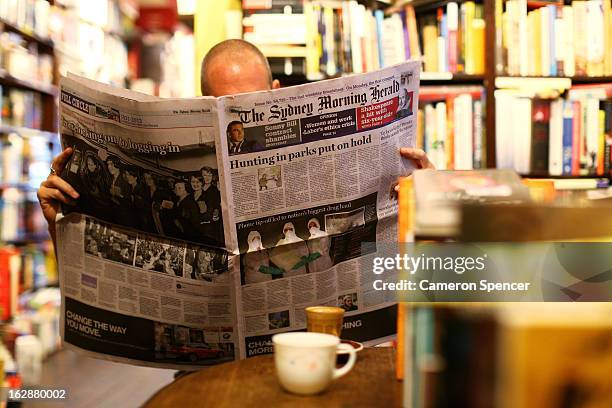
(206, 225)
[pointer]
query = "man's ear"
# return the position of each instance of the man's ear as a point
(276, 84)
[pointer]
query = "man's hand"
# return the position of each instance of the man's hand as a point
(418, 157)
(54, 191)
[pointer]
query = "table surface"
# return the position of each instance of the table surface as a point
(252, 382)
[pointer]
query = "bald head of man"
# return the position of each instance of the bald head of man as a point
(235, 66)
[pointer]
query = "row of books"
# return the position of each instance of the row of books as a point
(484, 356)
(87, 46)
(107, 14)
(31, 16)
(31, 335)
(25, 158)
(23, 268)
(24, 62)
(348, 37)
(21, 218)
(21, 108)
(557, 39)
(39, 16)
(450, 126)
(556, 136)
(453, 38)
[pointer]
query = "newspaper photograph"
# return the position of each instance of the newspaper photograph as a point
(206, 225)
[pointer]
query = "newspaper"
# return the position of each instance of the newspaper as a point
(206, 225)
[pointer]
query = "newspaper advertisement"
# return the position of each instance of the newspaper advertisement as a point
(206, 225)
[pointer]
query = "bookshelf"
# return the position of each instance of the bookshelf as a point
(44, 43)
(489, 21)
(39, 41)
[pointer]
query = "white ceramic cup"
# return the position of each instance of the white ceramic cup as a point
(306, 362)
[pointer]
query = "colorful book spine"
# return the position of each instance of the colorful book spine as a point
(555, 151)
(568, 137)
(552, 59)
(540, 136)
(452, 21)
(576, 137)
(478, 157)
(607, 108)
(380, 16)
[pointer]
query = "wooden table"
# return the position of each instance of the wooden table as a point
(252, 383)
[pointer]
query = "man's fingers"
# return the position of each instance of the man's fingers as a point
(47, 193)
(60, 184)
(418, 156)
(59, 162)
(413, 154)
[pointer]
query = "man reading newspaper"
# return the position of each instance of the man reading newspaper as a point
(231, 67)
(178, 206)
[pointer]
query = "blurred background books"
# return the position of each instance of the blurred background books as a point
(507, 355)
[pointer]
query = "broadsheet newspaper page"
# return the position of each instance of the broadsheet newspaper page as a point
(206, 225)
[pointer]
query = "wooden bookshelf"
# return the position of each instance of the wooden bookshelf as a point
(44, 44)
(590, 80)
(490, 74)
(436, 78)
(8, 80)
(48, 92)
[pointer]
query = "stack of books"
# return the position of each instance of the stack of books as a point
(450, 126)
(31, 16)
(23, 62)
(24, 268)
(569, 136)
(557, 39)
(88, 39)
(20, 108)
(453, 39)
(348, 37)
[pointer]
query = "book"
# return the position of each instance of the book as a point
(462, 144)
(565, 135)
(540, 137)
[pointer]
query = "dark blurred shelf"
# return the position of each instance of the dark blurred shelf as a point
(427, 78)
(441, 78)
(423, 5)
(8, 80)
(590, 80)
(298, 79)
(44, 43)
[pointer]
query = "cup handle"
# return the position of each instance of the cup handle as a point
(339, 372)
